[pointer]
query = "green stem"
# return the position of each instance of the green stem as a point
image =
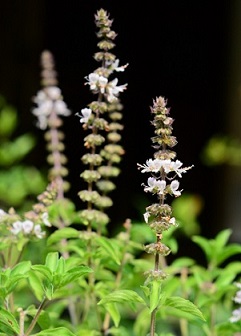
(153, 314)
(119, 274)
(21, 322)
(35, 319)
(153, 322)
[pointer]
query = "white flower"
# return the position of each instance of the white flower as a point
(155, 165)
(53, 92)
(115, 66)
(86, 113)
(237, 297)
(49, 100)
(155, 185)
(151, 166)
(174, 188)
(45, 219)
(17, 227)
(236, 315)
(172, 221)
(146, 216)
(96, 82)
(37, 230)
(113, 90)
(61, 108)
(27, 226)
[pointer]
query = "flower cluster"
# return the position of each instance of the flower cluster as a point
(164, 170)
(48, 100)
(24, 227)
(100, 83)
(102, 117)
(50, 106)
(236, 314)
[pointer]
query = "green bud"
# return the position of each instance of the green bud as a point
(104, 202)
(94, 218)
(114, 126)
(93, 140)
(93, 159)
(90, 176)
(157, 248)
(88, 196)
(105, 186)
(108, 171)
(106, 45)
(114, 137)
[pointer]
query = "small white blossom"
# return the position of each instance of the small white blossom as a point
(38, 232)
(172, 221)
(97, 82)
(47, 101)
(86, 114)
(53, 92)
(146, 216)
(113, 90)
(115, 66)
(155, 165)
(237, 297)
(16, 227)
(45, 219)
(174, 188)
(27, 226)
(155, 185)
(236, 315)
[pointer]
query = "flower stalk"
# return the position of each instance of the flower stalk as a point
(50, 106)
(164, 169)
(101, 116)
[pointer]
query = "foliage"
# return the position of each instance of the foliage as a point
(15, 175)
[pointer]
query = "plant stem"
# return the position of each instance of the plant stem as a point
(153, 322)
(21, 322)
(119, 274)
(35, 319)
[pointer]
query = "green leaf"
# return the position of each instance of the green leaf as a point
(21, 268)
(8, 320)
(222, 238)
(65, 233)
(63, 209)
(55, 331)
(44, 270)
(60, 269)
(11, 152)
(114, 313)
(109, 248)
(13, 281)
(205, 246)
(155, 294)
(122, 296)
(74, 273)
(36, 285)
(52, 261)
(184, 307)
(43, 321)
(8, 121)
(228, 252)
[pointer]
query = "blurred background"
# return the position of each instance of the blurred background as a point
(186, 51)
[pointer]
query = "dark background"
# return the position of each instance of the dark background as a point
(182, 50)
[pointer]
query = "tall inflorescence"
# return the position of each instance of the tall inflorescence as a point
(102, 119)
(49, 108)
(165, 170)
